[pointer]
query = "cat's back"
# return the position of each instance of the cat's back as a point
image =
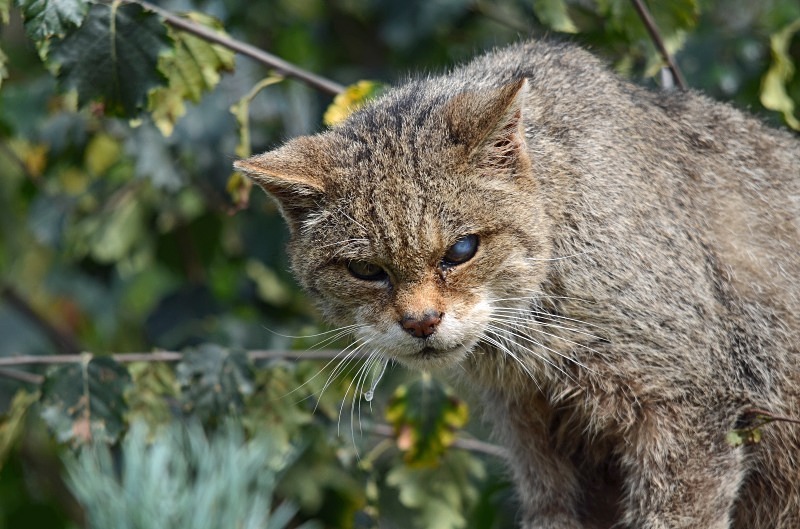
(736, 180)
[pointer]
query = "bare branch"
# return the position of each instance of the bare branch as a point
(281, 66)
(650, 24)
(22, 376)
(168, 356)
(462, 443)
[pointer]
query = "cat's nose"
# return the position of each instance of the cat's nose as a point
(422, 327)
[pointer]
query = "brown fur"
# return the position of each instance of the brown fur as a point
(634, 295)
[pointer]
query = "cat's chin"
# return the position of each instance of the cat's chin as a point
(429, 357)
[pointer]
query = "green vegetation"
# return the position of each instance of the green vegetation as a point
(123, 230)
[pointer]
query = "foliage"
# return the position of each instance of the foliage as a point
(118, 234)
(181, 477)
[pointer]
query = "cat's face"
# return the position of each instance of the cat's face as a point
(420, 231)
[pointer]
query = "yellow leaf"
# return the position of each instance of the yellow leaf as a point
(353, 98)
(773, 86)
(102, 152)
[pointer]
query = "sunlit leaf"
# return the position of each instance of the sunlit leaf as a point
(425, 417)
(5, 7)
(191, 67)
(11, 425)
(102, 152)
(113, 56)
(49, 18)
(114, 235)
(773, 86)
(353, 98)
(553, 13)
(83, 402)
(3, 67)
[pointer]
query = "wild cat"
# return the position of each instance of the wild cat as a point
(616, 271)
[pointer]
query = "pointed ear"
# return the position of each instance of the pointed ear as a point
(292, 174)
(489, 125)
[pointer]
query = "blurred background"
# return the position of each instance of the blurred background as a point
(122, 230)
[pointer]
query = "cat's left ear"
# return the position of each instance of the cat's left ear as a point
(489, 124)
(293, 175)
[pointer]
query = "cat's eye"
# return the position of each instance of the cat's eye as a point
(462, 251)
(366, 270)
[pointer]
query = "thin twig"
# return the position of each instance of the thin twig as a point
(22, 376)
(650, 24)
(463, 443)
(281, 66)
(61, 339)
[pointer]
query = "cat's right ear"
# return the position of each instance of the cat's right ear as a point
(291, 174)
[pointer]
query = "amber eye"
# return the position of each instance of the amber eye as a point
(366, 271)
(462, 251)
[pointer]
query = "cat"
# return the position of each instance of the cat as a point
(615, 271)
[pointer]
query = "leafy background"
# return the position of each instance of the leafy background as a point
(122, 230)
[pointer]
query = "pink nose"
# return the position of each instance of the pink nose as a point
(422, 327)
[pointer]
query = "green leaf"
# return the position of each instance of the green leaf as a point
(5, 7)
(52, 18)
(214, 381)
(153, 386)
(441, 496)
(191, 67)
(12, 424)
(114, 235)
(84, 402)
(553, 13)
(3, 67)
(113, 56)
(773, 86)
(425, 417)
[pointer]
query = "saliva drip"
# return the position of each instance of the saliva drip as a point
(370, 393)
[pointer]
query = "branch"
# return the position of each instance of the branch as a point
(283, 67)
(169, 356)
(61, 339)
(22, 376)
(650, 24)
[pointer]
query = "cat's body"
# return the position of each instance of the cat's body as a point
(634, 295)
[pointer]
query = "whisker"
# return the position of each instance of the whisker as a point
(495, 342)
(532, 328)
(550, 322)
(561, 258)
(548, 361)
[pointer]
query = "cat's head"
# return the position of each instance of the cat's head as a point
(417, 220)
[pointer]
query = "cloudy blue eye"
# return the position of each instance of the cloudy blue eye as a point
(462, 251)
(366, 270)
